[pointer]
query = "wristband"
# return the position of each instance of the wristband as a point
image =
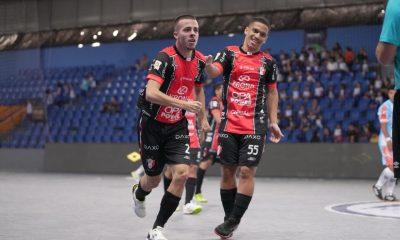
(388, 139)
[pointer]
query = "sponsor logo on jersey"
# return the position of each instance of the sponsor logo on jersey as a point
(186, 79)
(262, 70)
(243, 85)
(171, 113)
(248, 68)
(241, 98)
(182, 90)
(240, 113)
(242, 78)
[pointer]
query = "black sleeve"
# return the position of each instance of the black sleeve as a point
(272, 70)
(159, 66)
(201, 77)
(224, 58)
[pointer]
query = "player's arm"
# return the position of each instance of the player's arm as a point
(154, 95)
(385, 53)
(216, 114)
(272, 103)
(202, 116)
(216, 66)
(389, 39)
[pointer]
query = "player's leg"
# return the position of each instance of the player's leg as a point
(190, 206)
(201, 171)
(167, 177)
(396, 134)
(377, 187)
(250, 152)
(391, 181)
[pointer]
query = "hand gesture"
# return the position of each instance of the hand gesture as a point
(276, 133)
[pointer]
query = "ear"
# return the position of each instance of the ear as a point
(246, 30)
(175, 35)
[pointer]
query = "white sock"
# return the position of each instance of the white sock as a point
(390, 183)
(382, 178)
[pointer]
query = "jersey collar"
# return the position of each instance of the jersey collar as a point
(248, 53)
(184, 58)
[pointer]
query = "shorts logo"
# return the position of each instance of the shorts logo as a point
(151, 148)
(181, 136)
(256, 137)
(251, 159)
(151, 163)
(223, 135)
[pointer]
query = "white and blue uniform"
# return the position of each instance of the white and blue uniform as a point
(385, 112)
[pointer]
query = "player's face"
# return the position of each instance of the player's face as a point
(256, 35)
(391, 94)
(187, 33)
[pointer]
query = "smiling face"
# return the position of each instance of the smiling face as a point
(256, 35)
(186, 34)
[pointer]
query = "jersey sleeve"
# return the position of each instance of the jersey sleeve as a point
(391, 24)
(201, 77)
(271, 75)
(222, 60)
(158, 68)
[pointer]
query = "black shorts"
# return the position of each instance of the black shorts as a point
(162, 144)
(209, 154)
(241, 149)
(396, 134)
(195, 156)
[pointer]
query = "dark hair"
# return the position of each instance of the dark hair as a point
(185, 16)
(391, 87)
(262, 20)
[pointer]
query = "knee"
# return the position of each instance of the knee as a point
(180, 175)
(246, 172)
(228, 174)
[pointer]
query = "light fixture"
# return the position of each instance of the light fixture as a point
(133, 36)
(231, 35)
(99, 33)
(82, 33)
(96, 44)
(115, 33)
(95, 37)
(80, 45)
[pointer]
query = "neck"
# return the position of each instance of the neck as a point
(246, 48)
(187, 53)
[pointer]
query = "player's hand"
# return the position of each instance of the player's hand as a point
(276, 133)
(209, 60)
(205, 126)
(192, 106)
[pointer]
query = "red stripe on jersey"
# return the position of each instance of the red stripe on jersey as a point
(155, 78)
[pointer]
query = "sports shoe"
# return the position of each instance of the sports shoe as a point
(191, 208)
(225, 230)
(156, 234)
(200, 198)
(139, 206)
(377, 192)
(390, 197)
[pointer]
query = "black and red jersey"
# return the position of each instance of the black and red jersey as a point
(247, 77)
(177, 76)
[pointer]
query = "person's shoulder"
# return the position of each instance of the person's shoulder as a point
(233, 48)
(169, 51)
(268, 56)
(200, 56)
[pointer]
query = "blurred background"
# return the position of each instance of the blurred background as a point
(71, 70)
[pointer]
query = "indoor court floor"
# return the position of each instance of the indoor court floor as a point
(38, 206)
